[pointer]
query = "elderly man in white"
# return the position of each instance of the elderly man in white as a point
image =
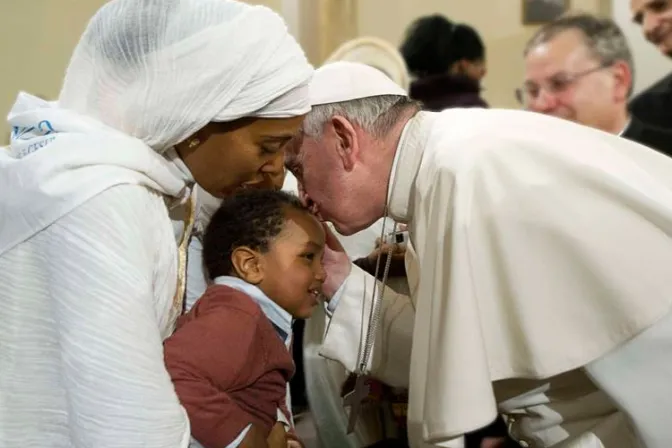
(540, 265)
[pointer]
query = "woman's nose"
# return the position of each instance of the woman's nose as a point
(277, 180)
(272, 174)
(276, 165)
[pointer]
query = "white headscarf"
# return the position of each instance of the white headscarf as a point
(160, 70)
(145, 76)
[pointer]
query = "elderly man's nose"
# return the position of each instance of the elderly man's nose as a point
(544, 102)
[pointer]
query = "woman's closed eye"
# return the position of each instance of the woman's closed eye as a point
(273, 145)
(269, 150)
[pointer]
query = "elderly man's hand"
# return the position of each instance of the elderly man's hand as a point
(398, 251)
(397, 264)
(336, 263)
(494, 442)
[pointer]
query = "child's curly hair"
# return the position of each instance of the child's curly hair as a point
(251, 218)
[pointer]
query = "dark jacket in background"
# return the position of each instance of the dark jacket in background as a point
(440, 92)
(654, 105)
(648, 135)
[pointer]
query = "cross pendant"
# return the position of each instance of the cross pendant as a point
(355, 399)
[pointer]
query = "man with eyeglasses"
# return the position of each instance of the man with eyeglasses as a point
(654, 105)
(580, 68)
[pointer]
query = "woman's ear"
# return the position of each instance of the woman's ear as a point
(247, 265)
(460, 68)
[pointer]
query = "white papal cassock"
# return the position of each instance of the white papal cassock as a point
(540, 277)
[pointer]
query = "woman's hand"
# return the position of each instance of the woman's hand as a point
(336, 263)
(278, 436)
(254, 439)
(294, 444)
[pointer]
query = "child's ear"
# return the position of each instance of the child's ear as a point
(247, 264)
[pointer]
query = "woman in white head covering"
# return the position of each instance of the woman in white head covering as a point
(97, 208)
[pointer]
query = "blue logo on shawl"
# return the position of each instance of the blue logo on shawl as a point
(42, 128)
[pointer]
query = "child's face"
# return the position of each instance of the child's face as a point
(292, 267)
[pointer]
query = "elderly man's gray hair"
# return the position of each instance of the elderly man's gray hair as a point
(376, 115)
(602, 36)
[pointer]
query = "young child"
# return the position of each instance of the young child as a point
(229, 358)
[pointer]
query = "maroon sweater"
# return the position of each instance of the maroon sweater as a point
(228, 365)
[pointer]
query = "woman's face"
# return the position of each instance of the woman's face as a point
(249, 152)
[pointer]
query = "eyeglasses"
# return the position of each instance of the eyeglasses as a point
(554, 85)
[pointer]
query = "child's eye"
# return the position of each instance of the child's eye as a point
(309, 256)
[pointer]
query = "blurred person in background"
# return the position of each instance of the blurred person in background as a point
(447, 63)
(654, 105)
(580, 68)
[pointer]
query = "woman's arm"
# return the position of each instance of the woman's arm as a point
(118, 391)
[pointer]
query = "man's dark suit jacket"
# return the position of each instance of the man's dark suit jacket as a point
(655, 138)
(654, 105)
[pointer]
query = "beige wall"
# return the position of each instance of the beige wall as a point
(36, 39)
(323, 25)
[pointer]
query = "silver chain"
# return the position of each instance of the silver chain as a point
(376, 307)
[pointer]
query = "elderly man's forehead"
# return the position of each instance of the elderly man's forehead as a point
(564, 50)
(293, 156)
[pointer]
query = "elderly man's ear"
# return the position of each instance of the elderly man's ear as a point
(623, 79)
(347, 145)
